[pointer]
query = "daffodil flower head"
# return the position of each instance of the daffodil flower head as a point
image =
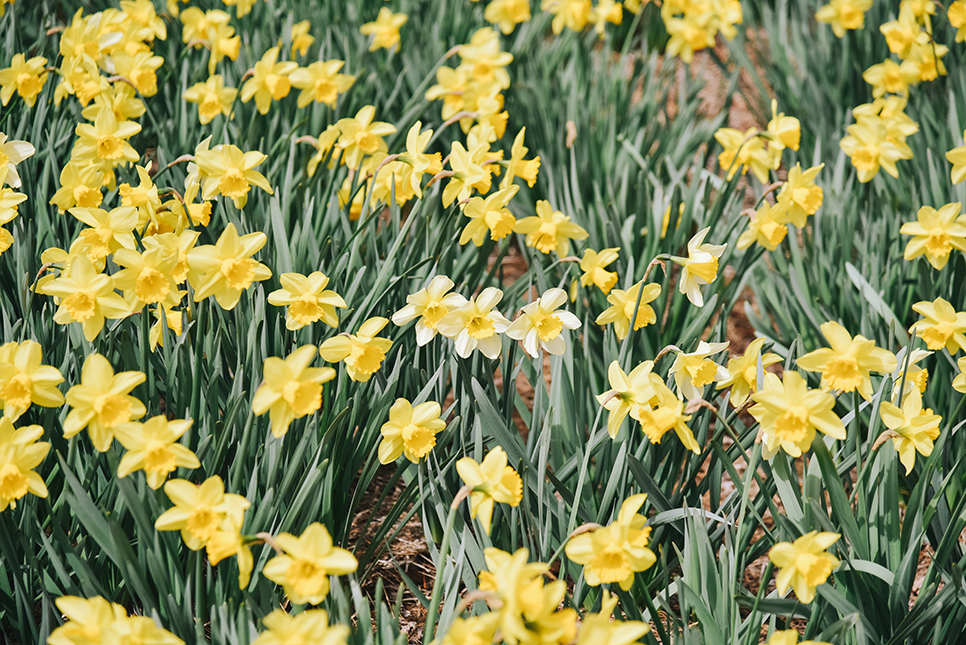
(804, 563)
(89, 620)
(891, 77)
(476, 325)
(540, 325)
(790, 413)
(307, 562)
(290, 389)
(844, 15)
(665, 412)
(627, 392)
(226, 170)
(692, 372)
(790, 637)
(420, 162)
(212, 98)
(429, 306)
(489, 217)
(269, 81)
(550, 230)
(766, 227)
(20, 453)
(601, 628)
(25, 76)
(86, 296)
(301, 38)
(517, 166)
(745, 151)
(621, 310)
(307, 299)
(957, 156)
(593, 264)
(959, 382)
(491, 481)
(108, 231)
(321, 82)
(224, 270)
(410, 430)
(743, 372)
(362, 352)
(935, 234)
(25, 381)
(153, 447)
(915, 377)
(799, 196)
(466, 174)
(311, 626)
(941, 325)
(699, 268)
(846, 364)
(198, 509)
(360, 136)
(227, 540)
(384, 29)
(913, 428)
(870, 147)
(106, 140)
(147, 277)
(473, 630)
(784, 131)
(102, 402)
(572, 14)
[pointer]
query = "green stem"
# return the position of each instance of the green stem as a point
(762, 586)
(430, 628)
(146, 351)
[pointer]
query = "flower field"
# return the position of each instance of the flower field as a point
(556, 322)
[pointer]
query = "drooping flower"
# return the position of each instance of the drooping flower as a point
(20, 453)
(627, 393)
(913, 428)
(699, 268)
(362, 352)
(790, 413)
(311, 626)
(491, 481)
(476, 325)
(614, 553)
(225, 269)
(692, 372)
(592, 265)
(307, 299)
(540, 325)
(101, 402)
(153, 447)
(941, 326)
(743, 372)
(936, 234)
(550, 230)
(269, 81)
(25, 381)
(665, 412)
(198, 509)
(384, 29)
(846, 364)
(621, 310)
(429, 305)
(306, 564)
(290, 389)
(804, 564)
(410, 431)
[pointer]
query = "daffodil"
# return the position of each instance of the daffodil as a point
(959, 381)
(592, 265)
(550, 230)
(153, 447)
(913, 429)
(415, 155)
(311, 626)
(109, 231)
(301, 38)
(869, 147)
(476, 325)
(306, 564)
(363, 352)
(665, 412)
(901, 34)
(106, 140)
(572, 14)
(956, 12)
(783, 131)
(269, 81)
(80, 185)
(89, 620)
(936, 234)
(489, 217)
(410, 431)
(307, 299)
(24, 381)
(148, 276)
(466, 174)
(790, 413)
(429, 305)
(766, 227)
(139, 69)
(692, 372)
(25, 76)
(621, 311)
(800, 196)
(86, 296)
(606, 11)
(120, 98)
(228, 540)
(916, 378)
(507, 14)
(699, 268)
(600, 629)
(20, 453)
(384, 29)
(846, 364)
(321, 82)
(226, 269)
(957, 157)
(102, 402)
(804, 564)
(360, 136)
(614, 553)
(198, 509)
(627, 393)
(743, 372)
(491, 481)
(473, 630)
(226, 170)
(540, 325)
(244, 7)
(891, 77)
(290, 389)
(212, 98)
(844, 15)
(12, 153)
(941, 325)
(745, 151)
(144, 197)
(171, 319)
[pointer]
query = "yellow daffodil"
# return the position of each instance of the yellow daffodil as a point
(621, 309)
(959, 382)
(956, 12)
(606, 11)
(600, 629)
(592, 265)
(491, 481)
(120, 98)
(177, 245)
(550, 230)
(415, 156)
(473, 630)
(913, 429)
(170, 318)
(363, 352)
(269, 81)
(540, 325)
(790, 637)
(227, 540)
(86, 296)
(892, 77)
(936, 234)
(301, 38)
(766, 227)
(957, 157)
(226, 170)
(360, 136)
(804, 564)
(790, 413)
(225, 269)
(799, 196)
(745, 151)
(665, 412)
(429, 305)
(699, 268)
(783, 131)
(507, 14)
(308, 561)
(310, 626)
(743, 372)
(844, 15)
(384, 29)
(476, 325)
(466, 174)
(845, 365)
(89, 620)
(614, 553)
(12, 153)
(321, 82)
(140, 69)
(24, 381)
(20, 453)
(489, 216)
(926, 55)
(692, 372)
(148, 276)
(916, 378)
(212, 98)
(941, 325)
(870, 147)
(101, 402)
(25, 77)
(307, 299)
(106, 140)
(627, 393)
(290, 389)
(144, 197)
(109, 231)
(153, 447)
(80, 185)
(244, 7)
(572, 14)
(198, 509)
(410, 431)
